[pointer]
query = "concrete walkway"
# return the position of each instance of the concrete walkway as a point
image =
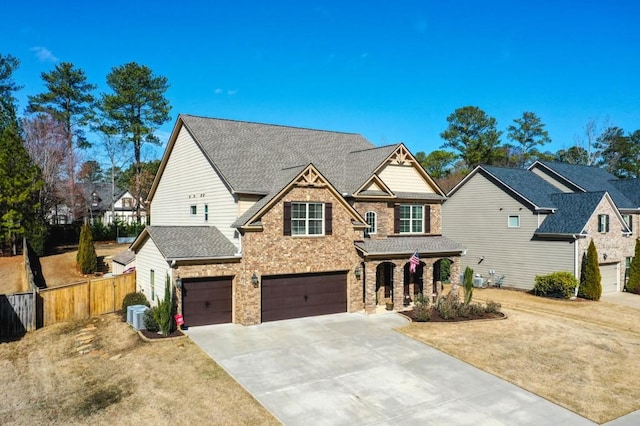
(353, 369)
(622, 298)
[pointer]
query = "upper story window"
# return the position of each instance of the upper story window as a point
(514, 221)
(193, 210)
(628, 219)
(206, 212)
(127, 202)
(411, 218)
(307, 219)
(94, 199)
(603, 223)
(372, 221)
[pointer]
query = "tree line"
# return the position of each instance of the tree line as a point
(39, 149)
(472, 138)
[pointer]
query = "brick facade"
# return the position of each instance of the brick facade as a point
(385, 214)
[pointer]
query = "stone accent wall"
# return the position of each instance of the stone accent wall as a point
(616, 246)
(385, 213)
(271, 253)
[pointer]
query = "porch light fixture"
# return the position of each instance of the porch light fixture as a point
(255, 280)
(178, 282)
(358, 272)
(605, 256)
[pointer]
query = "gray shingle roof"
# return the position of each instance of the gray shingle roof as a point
(125, 257)
(191, 242)
(572, 214)
(265, 150)
(631, 190)
(532, 187)
(406, 246)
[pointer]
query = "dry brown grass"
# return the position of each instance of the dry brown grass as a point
(581, 355)
(57, 269)
(122, 380)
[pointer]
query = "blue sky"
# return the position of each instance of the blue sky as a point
(391, 71)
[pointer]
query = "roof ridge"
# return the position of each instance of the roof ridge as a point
(231, 120)
(374, 148)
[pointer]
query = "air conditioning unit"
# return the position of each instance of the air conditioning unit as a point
(478, 281)
(130, 310)
(138, 317)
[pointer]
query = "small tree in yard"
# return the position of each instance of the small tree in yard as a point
(590, 278)
(633, 285)
(163, 314)
(86, 258)
(467, 281)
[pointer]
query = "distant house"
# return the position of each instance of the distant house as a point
(123, 262)
(98, 202)
(256, 222)
(519, 223)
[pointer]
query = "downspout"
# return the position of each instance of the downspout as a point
(576, 264)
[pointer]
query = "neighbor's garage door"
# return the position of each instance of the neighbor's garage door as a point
(609, 274)
(206, 301)
(303, 295)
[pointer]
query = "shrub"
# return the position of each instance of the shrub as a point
(422, 312)
(164, 312)
(476, 309)
(633, 285)
(557, 284)
(149, 319)
(467, 281)
(447, 306)
(590, 278)
(492, 307)
(135, 298)
(86, 257)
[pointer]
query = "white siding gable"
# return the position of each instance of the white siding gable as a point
(149, 258)
(189, 180)
(404, 178)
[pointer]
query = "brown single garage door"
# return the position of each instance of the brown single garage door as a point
(303, 295)
(206, 301)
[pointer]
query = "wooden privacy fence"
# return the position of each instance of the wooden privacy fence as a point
(17, 314)
(83, 300)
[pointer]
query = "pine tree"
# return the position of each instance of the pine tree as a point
(633, 285)
(86, 257)
(590, 278)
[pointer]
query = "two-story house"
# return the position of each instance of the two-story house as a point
(255, 222)
(518, 223)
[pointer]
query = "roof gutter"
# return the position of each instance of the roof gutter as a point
(188, 259)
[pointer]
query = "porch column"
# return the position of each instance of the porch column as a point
(398, 287)
(455, 273)
(427, 277)
(370, 287)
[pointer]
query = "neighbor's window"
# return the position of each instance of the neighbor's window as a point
(194, 210)
(307, 219)
(411, 218)
(514, 221)
(372, 220)
(206, 212)
(127, 202)
(628, 219)
(603, 223)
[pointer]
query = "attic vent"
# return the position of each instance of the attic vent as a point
(401, 156)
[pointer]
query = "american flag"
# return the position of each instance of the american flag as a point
(414, 261)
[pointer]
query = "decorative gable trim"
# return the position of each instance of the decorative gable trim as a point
(401, 156)
(308, 177)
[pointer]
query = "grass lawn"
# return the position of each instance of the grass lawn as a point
(98, 371)
(581, 355)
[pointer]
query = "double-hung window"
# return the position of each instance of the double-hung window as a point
(411, 218)
(603, 223)
(628, 219)
(307, 219)
(371, 219)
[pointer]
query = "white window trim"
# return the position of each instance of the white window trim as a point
(193, 210)
(307, 219)
(375, 222)
(513, 216)
(603, 226)
(411, 219)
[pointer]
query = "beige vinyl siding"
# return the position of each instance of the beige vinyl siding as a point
(245, 202)
(404, 178)
(551, 180)
(190, 180)
(477, 216)
(149, 258)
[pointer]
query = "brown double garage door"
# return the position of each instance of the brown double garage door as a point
(209, 301)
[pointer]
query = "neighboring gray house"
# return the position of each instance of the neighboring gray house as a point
(518, 223)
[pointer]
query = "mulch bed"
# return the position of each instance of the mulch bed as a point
(153, 335)
(434, 316)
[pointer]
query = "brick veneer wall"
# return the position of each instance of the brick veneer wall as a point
(385, 212)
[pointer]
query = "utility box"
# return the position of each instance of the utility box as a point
(138, 317)
(130, 310)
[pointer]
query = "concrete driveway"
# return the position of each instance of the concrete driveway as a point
(354, 369)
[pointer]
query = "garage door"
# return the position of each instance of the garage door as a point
(303, 295)
(609, 274)
(206, 301)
